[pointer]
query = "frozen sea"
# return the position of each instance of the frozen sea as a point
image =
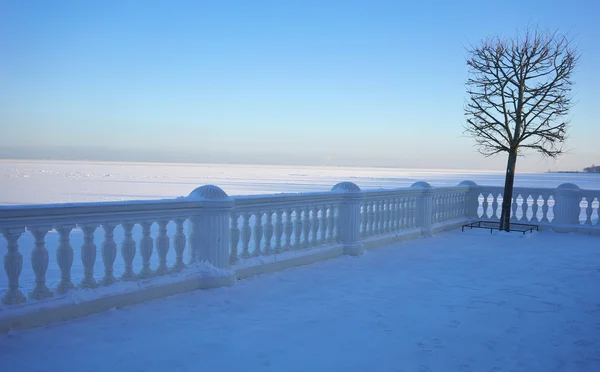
(34, 181)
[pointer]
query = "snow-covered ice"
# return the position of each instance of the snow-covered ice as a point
(31, 181)
(471, 301)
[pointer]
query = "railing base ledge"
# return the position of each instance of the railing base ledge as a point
(46, 315)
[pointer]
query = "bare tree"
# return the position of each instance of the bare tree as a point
(518, 98)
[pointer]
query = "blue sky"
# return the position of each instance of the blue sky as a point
(299, 82)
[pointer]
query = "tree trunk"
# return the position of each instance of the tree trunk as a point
(508, 190)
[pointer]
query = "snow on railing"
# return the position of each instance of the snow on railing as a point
(226, 231)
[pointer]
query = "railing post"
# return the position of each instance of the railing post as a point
(566, 208)
(210, 231)
(13, 264)
(349, 217)
(471, 200)
(424, 207)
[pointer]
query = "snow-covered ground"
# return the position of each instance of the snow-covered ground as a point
(471, 301)
(29, 181)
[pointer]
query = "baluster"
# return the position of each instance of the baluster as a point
(258, 233)
(109, 253)
(268, 233)
(367, 220)
(234, 238)
(336, 222)
(525, 207)
(485, 205)
(314, 228)
(88, 256)
(39, 263)
(395, 215)
(331, 224)
(246, 235)
(13, 264)
(385, 226)
(444, 207)
(455, 206)
(375, 213)
(146, 248)
(64, 258)
(514, 207)
(499, 206)
(323, 225)
(589, 210)
(545, 208)
(379, 217)
(372, 218)
(363, 219)
(278, 230)
(401, 213)
(595, 201)
(298, 228)
(534, 207)
(162, 248)
(389, 215)
(306, 227)
(128, 252)
(179, 241)
(406, 212)
(193, 224)
(413, 211)
(288, 229)
(436, 209)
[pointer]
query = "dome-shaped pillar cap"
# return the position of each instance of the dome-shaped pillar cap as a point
(421, 185)
(568, 186)
(346, 187)
(467, 183)
(209, 192)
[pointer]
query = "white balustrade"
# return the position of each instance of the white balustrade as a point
(223, 230)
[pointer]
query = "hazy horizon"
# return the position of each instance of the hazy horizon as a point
(378, 83)
(97, 154)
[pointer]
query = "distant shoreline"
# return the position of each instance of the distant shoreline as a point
(573, 172)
